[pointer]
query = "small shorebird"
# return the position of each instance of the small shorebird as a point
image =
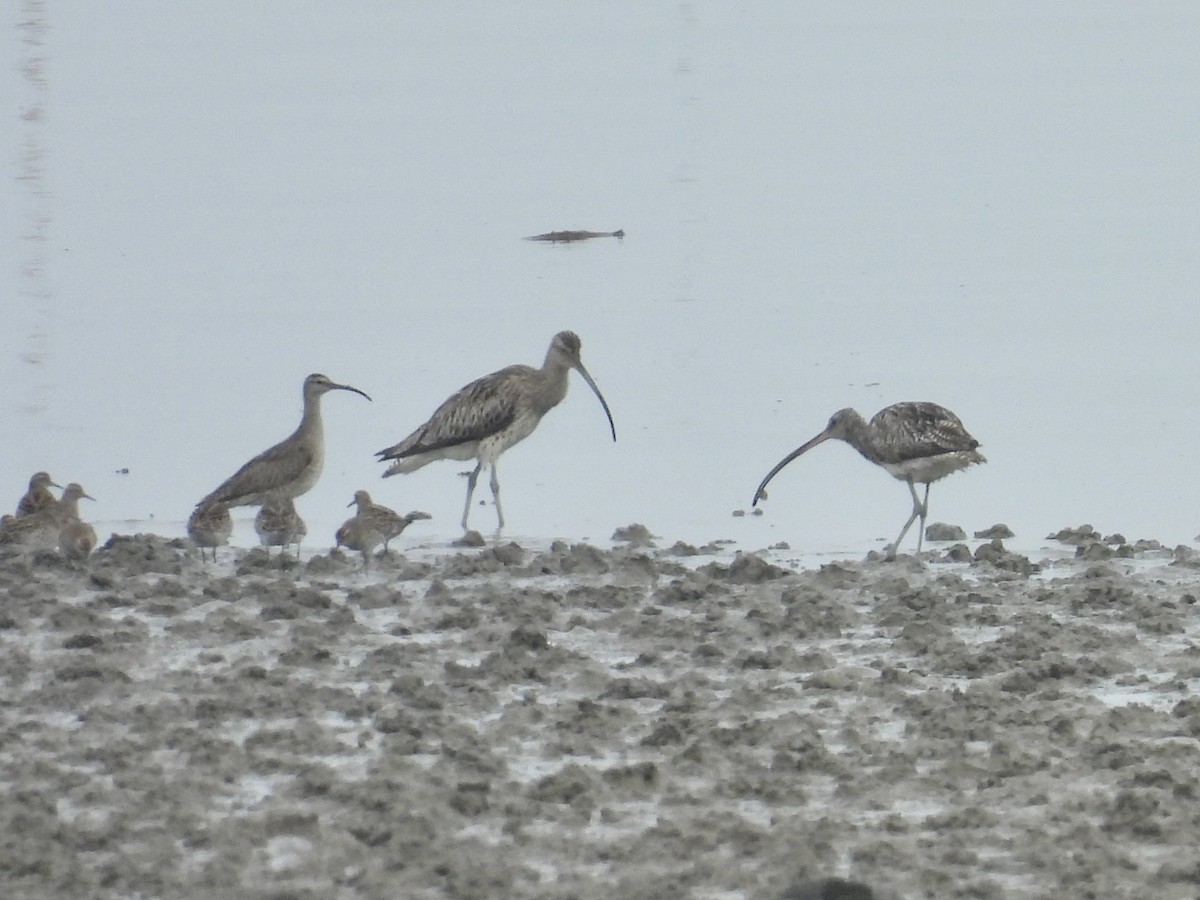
(210, 526)
(76, 538)
(38, 497)
(373, 525)
(292, 466)
(279, 525)
(918, 443)
(491, 414)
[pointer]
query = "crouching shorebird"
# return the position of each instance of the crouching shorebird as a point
(292, 466)
(491, 414)
(917, 443)
(76, 538)
(38, 497)
(210, 526)
(279, 525)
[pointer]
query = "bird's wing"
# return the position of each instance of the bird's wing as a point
(278, 465)
(913, 430)
(482, 408)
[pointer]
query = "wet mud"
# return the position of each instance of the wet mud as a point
(568, 721)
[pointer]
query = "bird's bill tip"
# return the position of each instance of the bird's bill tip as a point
(599, 396)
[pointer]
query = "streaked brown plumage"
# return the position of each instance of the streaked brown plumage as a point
(38, 497)
(492, 413)
(279, 525)
(373, 525)
(292, 466)
(916, 442)
(210, 526)
(76, 538)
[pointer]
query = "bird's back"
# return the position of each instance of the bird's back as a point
(484, 407)
(907, 431)
(288, 464)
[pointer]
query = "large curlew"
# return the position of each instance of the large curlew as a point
(38, 497)
(292, 466)
(491, 414)
(916, 442)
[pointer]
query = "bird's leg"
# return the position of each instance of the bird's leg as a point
(470, 490)
(917, 510)
(924, 514)
(496, 496)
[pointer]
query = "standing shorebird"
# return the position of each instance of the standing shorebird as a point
(279, 525)
(210, 526)
(292, 466)
(38, 497)
(76, 538)
(374, 524)
(491, 414)
(917, 443)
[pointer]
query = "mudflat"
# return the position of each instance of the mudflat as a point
(567, 721)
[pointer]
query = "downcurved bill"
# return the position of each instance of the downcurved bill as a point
(346, 387)
(600, 396)
(761, 493)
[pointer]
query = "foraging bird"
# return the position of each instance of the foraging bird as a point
(917, 443)
(76, 538)
(292, 466)
(279, 525)
(491, 414)
(373, 525)
(210, 526)
(38, 497)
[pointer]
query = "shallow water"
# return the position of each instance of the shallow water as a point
(991, 209)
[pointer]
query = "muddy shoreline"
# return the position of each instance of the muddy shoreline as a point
(646, 721)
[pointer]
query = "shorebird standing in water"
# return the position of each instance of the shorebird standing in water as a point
(373, 525)
(491, 414)
(917, 443)
(292, 466)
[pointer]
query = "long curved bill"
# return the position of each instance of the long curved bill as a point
(346, 387)
(761, 493)
(600, 396)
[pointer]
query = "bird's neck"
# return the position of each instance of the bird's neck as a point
(554, 381)
(310, 421)
(857, 433)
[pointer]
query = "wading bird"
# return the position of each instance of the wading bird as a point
(491, 414)
(917, 443)
(292, 466)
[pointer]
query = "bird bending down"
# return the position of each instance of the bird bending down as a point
(491, 414)
(292, 466)
(210, 526)
(38, 497)
(279, 525)
(916, 442)
(76, 538)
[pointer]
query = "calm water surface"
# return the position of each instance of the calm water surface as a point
(992, 209)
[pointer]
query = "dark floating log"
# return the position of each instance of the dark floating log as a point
(563, 237)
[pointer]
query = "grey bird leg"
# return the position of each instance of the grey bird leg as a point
(471, 490)
(496, 497)
(918, 510)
